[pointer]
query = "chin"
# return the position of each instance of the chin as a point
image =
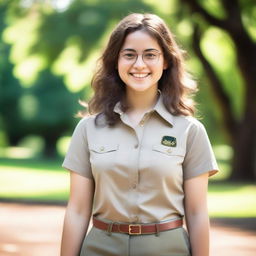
(141, 89)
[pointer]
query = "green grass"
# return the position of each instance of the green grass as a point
(42, 180)
(232, 199)
(33, 179)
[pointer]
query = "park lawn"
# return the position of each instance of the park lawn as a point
(232, 200)
(33, 180)
(46, 181)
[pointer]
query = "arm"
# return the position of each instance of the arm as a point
(196, 213)
(77, 215)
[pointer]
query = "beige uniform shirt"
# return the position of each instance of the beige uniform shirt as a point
(139, 171)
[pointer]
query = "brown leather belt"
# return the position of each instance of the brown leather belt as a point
(137, 229)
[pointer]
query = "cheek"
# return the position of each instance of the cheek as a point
(161, 69)
(122, 69)
(159, 73)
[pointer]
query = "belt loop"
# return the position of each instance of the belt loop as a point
(109, 230)
(157, 229)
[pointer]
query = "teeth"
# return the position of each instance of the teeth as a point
(140, 75)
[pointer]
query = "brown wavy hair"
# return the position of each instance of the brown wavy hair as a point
(175, 84)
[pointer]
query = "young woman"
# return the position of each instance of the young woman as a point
(140, 162)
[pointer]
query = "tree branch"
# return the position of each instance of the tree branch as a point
(224, 100)
(232, 8)
(195, 7)
(232, 24)
(246, 48)
(234, 27)
(234, 20)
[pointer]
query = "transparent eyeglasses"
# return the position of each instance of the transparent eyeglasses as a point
(149, 57)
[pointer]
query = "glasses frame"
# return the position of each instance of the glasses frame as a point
(147, 62)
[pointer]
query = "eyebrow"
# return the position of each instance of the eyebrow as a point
(147, 50)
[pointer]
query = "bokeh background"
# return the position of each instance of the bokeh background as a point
(48, 51)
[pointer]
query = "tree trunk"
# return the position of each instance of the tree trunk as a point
(50, 147)
(244, 141)
(242, 132)
(244, 145)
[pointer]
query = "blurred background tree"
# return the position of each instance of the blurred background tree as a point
(49, 48)
(236, 22)
(47, 68)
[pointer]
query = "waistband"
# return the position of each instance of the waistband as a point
(137, 229)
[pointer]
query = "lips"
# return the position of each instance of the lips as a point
(140, 75)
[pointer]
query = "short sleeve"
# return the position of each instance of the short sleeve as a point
(77, 158)
(199, 156)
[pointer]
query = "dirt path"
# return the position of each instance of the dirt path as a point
(35, 230)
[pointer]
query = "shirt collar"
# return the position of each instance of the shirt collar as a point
(159, 108)
(117, 108)
(162, 111)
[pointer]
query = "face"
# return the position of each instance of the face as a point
(141, 62)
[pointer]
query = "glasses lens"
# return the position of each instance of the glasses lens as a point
(129, 56)
(150, 58)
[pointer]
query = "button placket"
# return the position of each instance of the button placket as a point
(134, 166)
(135, 182)
(142, 122)
(145, 118)
(134, 175)
(135, 219)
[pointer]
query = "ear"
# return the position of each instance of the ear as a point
(165, 65)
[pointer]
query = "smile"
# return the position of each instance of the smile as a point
(140, 75)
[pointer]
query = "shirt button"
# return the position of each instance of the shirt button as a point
(169, 150)
(142, 123)
(136, 219)
(102, 148)
(136, 145)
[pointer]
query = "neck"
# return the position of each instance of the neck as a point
(141, 101)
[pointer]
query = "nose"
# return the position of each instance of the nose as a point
(139, 63)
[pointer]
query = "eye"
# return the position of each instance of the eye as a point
(150, 55)
(129, 56)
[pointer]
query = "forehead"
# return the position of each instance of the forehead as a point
(140, 41)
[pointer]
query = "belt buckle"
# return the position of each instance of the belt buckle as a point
(131, 229)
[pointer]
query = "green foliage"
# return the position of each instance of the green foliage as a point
(248, 17)
(41, 36)
(39, 102)
(50, 107)
(220, 51)
(10, 92)
(214, 7)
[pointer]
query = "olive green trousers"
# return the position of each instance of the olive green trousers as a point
(173, 242)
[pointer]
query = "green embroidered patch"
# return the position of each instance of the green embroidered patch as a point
(169, 141)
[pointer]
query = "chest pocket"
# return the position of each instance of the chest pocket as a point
(103, 157)
(165, 166)
(169, 151)
(104, 148)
